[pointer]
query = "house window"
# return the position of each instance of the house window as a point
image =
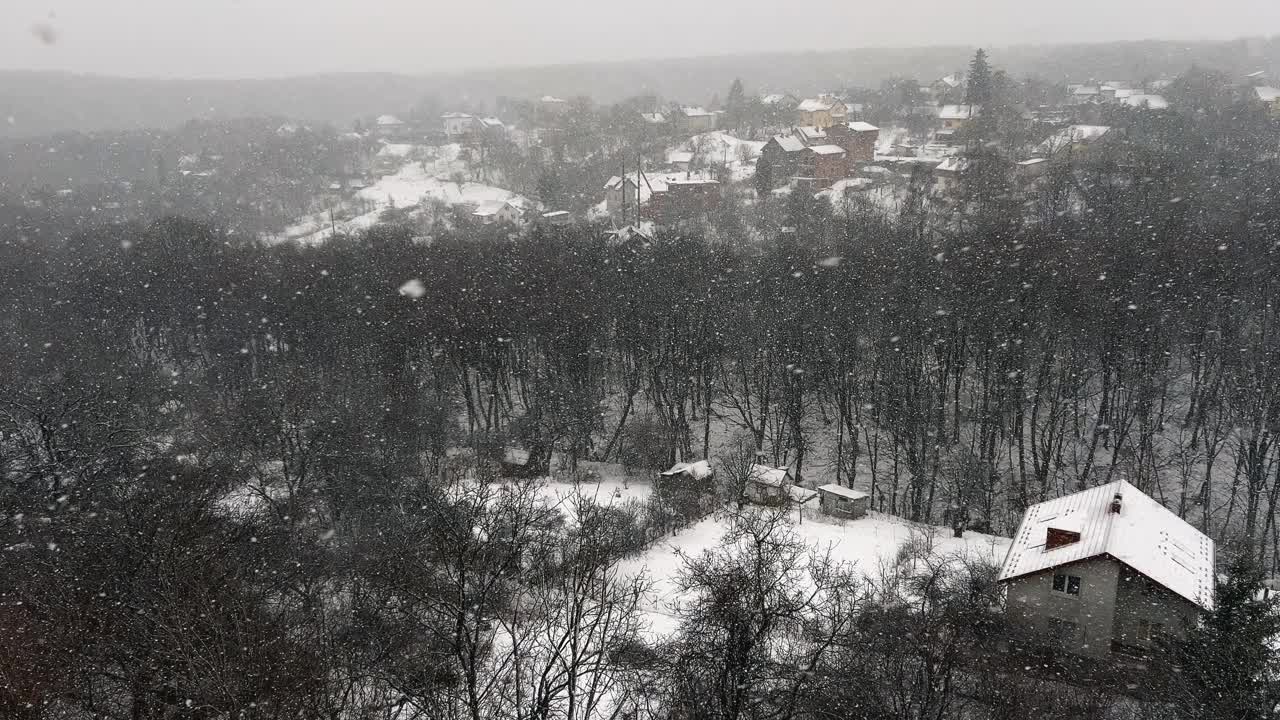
(1069, 584)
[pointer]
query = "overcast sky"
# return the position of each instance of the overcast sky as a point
(250, 38)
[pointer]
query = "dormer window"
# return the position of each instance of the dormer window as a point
(1057, 537)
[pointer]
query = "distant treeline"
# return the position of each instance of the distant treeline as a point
(40, 103)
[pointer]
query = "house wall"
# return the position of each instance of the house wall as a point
(817, 118)
(840, 507)
(1031, 602)
(1138, 598)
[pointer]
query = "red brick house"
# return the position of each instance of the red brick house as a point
(826, 164)
(857, 138)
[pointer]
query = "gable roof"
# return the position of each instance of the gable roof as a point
(788, 143)
(771, 476)
(1144, 535)
(827, 150)
(1267, 94)
(385, 120)
(842, 491)
(818, 105)
(695, 112)
(696, 470)
(1071, 135)
(958, 112)
(860, 126)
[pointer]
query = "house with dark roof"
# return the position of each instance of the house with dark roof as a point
(1106, 572)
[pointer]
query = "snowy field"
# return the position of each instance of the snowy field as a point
(867, 544)
(717, 148)
(428, 174)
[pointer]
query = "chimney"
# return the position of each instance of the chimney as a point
(1115, 504)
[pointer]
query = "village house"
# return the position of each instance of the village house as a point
(495, 212)
(810, 134)
(552, 105)
(456, 124)
(823, 165)
(389, 127)
(948, 173)
(780, 157)
(695, 120)
(779, 100)
(1082, 94)
(857, 138)
(843, 502)
(946, 87)
(955, 117)
(822, 112)
(661, 196)
(1105, 573)
(1072, 140)
(1270, 97)
(769, 485)
(653, 118)
(680, 160)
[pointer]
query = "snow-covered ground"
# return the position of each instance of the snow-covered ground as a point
(866, 544)
(427, 174)
(717, 148)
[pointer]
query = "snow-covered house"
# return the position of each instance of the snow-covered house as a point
(1147, 101)
(948, 173)
(954, 117)
(700, 470)
(456, 124)
(821, 112)
(497, 211)
(695, 120)
(843, 502)
(1106, 570)
(769, 485)
(388, 126)
(1072, 138)
(1270, 97)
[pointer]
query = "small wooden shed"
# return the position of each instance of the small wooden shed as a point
(843, 502)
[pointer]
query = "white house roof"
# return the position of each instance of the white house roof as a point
(816, 105)
(953, 164)
(384, 120)
(697, 470)
(1267, 94)
(552, 99)
(789, 143)
(491, 208)
(1152, 102)
(859, 126)
(842, 491)
(455, 116)
(765, 475)
(492, 122)
(654, 118)
(695, 112)
(827, 150)
(680, 156)
(1072, 135)
(1085, 90)
(801, 495)
(1144, 535)
(958, 112)
(773, 98)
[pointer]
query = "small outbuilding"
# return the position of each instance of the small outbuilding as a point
(769, 485)
(843, 502)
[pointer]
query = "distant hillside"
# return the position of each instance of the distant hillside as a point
(39, 103)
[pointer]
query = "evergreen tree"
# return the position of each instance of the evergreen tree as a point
(978, 91)
(1228, 667)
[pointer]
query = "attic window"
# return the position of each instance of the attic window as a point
(1056, 538)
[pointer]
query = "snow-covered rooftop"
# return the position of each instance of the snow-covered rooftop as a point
(1151, 102)
(1072, 135)
(860, 126)
(1144, 535)
(699, 470)
(696, 112)
(958, 112)
(766, 475)
(1267, 94)
(827, 150)
(842, 491)
(387, 120)
(816, 105)
(789, 143)
(953, 164)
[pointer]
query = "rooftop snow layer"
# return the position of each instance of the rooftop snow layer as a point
(1144, 535)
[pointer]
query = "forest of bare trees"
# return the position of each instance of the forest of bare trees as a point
(256, 481)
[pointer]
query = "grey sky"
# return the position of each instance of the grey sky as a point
(245, 38)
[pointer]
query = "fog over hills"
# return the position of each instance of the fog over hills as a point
(38, 102)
